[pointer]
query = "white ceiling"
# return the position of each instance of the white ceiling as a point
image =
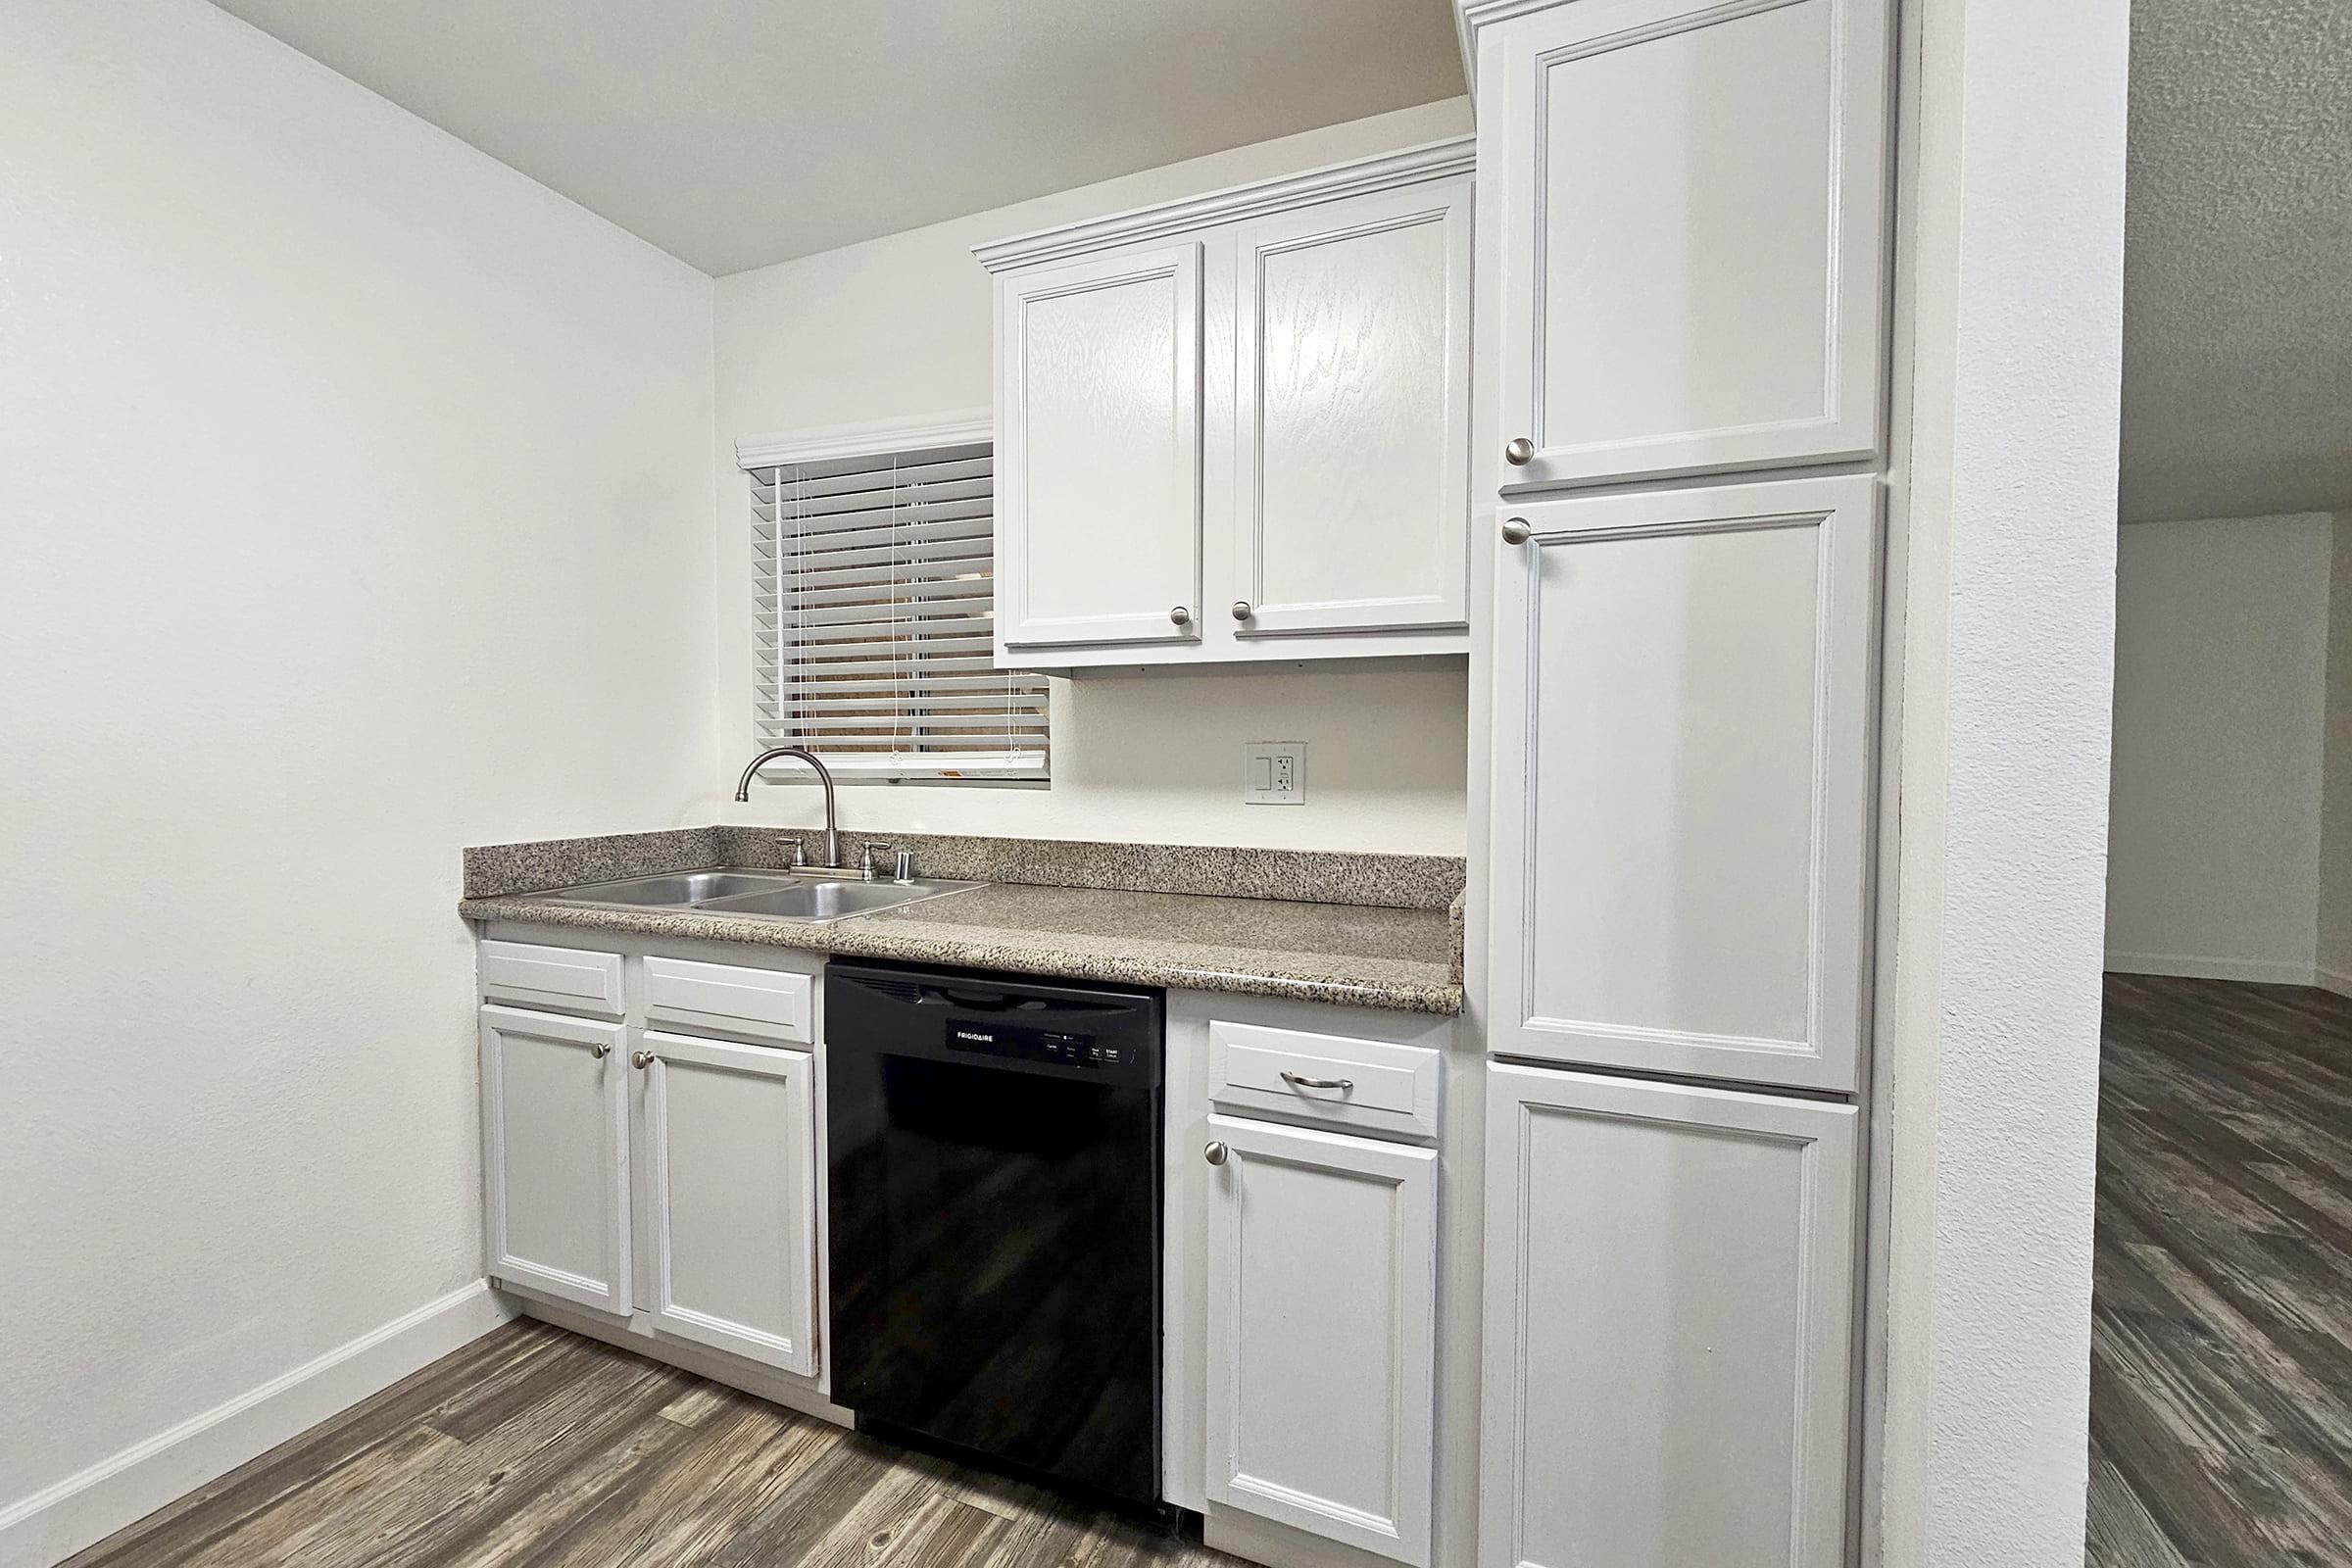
(734, 133)
(2237, 260)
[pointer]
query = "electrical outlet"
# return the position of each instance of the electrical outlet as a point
(1274, 773)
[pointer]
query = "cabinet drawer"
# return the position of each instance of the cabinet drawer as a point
(564, 979)
(729, 999)
(1368, 1086)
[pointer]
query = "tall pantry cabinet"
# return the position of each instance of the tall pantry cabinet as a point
(1684, 385)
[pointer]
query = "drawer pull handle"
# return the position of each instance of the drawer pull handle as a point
(1296, 1082)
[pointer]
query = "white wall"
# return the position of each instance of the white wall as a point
(2220, 650)
(357, 496)
(2335, 803)
(1986, 1088)
(899, 326)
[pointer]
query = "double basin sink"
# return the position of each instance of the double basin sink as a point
(812, 895)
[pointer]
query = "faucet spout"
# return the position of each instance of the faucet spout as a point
(824, 776)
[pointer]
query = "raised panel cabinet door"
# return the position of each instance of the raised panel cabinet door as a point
(1099, 451)
(1351, 415)
(555, 1161)
(1684, 755)
(730, 1214)
(1693, 234)
(1669, 1324)
(1322, 1310)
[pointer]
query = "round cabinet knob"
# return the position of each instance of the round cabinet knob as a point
(1242, 610)
(600, 1051)
(1515, 531)
(643, 1059)
(1214, 1154)
(1180, 615)
(1519, 452)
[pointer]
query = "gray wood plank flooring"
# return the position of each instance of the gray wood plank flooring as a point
(534, 1447)
(2221, 1370)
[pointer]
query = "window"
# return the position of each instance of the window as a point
(875, 598)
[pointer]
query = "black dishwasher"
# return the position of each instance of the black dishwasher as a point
(994, 1219)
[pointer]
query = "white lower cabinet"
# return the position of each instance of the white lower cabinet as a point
(555, 1168)
(694, 1217)
(1322, 1294)
(727, 1146)
(1669, 1318)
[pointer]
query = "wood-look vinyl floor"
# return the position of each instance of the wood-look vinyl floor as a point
(534, 1447)
(2221, 1370)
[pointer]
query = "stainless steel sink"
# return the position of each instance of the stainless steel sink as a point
(831, 901)
(781, 894)
(677, 889)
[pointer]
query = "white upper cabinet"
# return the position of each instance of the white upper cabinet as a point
(1237, 428)
(1683, 766)
(1350, 472)
(1692, 235)
(1099, 443)
(1669, 1324)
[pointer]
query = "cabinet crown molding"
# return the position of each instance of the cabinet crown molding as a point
(1436, 159)
(1469, 16)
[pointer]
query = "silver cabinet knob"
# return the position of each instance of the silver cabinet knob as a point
(1180, 615)
(600, 1051)
(1242, 610)
(1214, 1154)
(1519, 452)
(643, 1059)
(1515, 531)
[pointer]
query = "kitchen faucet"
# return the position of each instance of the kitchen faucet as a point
(824, 776)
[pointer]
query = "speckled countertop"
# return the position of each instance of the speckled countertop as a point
(1357, 955)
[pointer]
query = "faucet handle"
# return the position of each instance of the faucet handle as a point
(794, 855)
(866, 864)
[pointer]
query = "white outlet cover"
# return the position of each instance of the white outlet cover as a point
(1274, 773)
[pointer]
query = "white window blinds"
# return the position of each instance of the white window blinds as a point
(875, 598)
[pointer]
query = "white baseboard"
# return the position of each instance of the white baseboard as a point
(2198, 966)
(60, 1520)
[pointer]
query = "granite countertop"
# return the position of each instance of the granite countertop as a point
(1406, 959)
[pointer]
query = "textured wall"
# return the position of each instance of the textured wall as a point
(2238, 266)
(2335, 805)
(2221, 650)
(902, 327)
(356, 498)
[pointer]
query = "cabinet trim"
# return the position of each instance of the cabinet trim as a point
(1452, 154)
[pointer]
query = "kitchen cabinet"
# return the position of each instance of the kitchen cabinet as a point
(668, 1182)
(1692, 233)
(1322, 1293)
(555, 1117)
(1236, 428)
(728, 1141)
(1682, 771)
(1098, 412)
(1668, 1324)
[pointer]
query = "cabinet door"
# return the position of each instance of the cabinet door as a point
(730, 1196)
(1099, 451)
(1693, 240)
(1683, 764)
(1322, 1300)
(555, 1109)
(1669, 1309)
(1351, 415)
